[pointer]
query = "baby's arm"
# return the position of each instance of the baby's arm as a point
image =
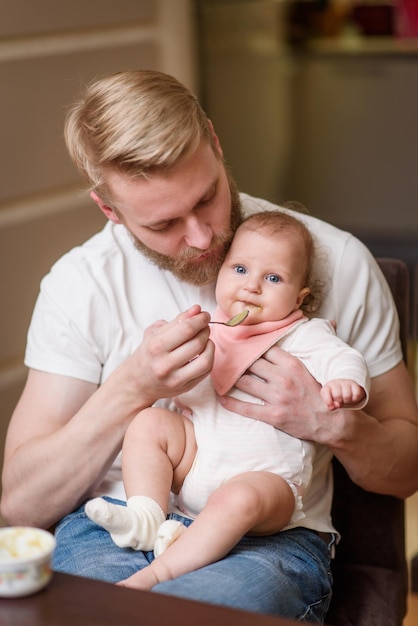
(342, 393)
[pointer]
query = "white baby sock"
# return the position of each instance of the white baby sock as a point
(168, 533)
(132, 526)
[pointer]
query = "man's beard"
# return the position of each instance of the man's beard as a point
(184, 266)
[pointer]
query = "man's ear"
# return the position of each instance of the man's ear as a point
(107, 210)
(215, 140)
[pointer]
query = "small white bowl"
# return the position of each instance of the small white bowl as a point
(25, 560)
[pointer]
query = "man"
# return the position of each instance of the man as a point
(97, 356)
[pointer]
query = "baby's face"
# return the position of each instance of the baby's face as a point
(261, 273)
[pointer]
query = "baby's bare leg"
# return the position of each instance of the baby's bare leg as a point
(158, 451)
(250, 503)
(159, 447)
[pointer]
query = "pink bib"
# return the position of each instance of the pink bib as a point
(237, 347)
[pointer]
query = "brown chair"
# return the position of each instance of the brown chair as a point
(370, 571)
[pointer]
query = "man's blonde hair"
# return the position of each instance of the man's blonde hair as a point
(134, 122)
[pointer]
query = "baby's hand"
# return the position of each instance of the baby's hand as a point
(341, 393)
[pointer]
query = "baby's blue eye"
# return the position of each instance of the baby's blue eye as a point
(273, 278)
(240, 269)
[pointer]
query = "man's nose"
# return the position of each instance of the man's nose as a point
(198, 234)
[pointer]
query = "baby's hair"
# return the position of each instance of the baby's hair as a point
(281, 223)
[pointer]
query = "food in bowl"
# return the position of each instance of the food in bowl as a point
(25, 560)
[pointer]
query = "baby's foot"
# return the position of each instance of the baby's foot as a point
(168, 533)
(132, 526)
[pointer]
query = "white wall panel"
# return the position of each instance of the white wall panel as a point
(22, 17)
(48, 49)
(33, 106)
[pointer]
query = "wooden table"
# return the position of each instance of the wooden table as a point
(75, 601)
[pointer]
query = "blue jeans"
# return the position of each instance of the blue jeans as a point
(286, 574)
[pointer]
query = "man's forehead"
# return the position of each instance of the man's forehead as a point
(161, 196)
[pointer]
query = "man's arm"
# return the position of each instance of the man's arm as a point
(65, 433)
(52, 456)
(378, 446)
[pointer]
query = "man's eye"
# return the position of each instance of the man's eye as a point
(240, 269)
(207, 200)
(161, 228)
(209, 197)
(273, 278)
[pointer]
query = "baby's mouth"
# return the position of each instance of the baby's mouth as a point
(253, 308)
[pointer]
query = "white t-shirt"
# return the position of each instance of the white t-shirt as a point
(97, 300)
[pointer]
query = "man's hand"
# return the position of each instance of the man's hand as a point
(291, 396)
(173, 356)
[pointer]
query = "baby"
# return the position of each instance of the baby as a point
(230, 474)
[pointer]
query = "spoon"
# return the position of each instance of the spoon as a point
(236, 320)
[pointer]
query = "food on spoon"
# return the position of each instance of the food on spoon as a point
(238, 318)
